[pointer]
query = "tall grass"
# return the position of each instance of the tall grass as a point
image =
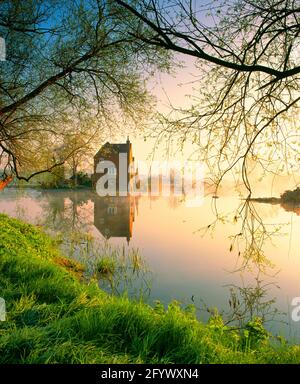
(55, 318)
(117, 269)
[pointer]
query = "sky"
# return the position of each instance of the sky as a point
(175, 89)
(169, 90)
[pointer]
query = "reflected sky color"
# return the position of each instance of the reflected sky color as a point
(186, 263)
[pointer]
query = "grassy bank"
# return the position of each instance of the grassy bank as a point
(53, 317)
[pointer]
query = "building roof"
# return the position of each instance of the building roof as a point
(117, 148)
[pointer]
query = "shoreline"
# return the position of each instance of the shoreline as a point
(53, 316)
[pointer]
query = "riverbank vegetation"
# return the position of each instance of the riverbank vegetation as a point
(291, 196)
(288, 197)
(55, 181)
(53, 316)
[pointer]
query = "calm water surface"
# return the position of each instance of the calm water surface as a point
(190, 262)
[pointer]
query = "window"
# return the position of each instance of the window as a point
(112, 211)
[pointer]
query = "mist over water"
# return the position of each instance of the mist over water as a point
(192, 257)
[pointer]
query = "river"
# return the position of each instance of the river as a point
(234, 261)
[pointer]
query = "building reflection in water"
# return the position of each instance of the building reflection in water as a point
(114, 216)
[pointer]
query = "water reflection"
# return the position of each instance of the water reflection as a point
(286, 205)
(65, 211)
(238, 256)
(290, 207)
(72, 211)
(114, 216)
